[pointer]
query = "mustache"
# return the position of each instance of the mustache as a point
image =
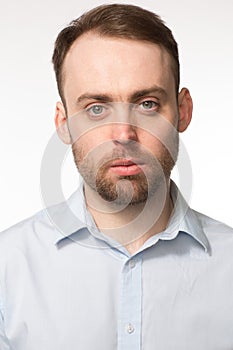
(132, 153)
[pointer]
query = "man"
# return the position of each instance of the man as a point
(125, 264)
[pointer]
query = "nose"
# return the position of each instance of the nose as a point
(123, 129)
(123, 133)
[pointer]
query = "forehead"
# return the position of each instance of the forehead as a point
(114, 63)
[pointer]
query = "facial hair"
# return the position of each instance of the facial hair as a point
(126, 190)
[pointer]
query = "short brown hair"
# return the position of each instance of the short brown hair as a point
(121, 21)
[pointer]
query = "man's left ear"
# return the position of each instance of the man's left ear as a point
(185, 105)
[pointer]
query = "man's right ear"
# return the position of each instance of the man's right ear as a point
(62, 123)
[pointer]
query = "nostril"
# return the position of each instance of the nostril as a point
(124, 141)
(124, 133)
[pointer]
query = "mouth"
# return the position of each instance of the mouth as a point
(126, 167)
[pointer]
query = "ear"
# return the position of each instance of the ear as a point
(61, 123)
(185, 105)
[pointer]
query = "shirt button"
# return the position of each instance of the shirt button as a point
(130, 328)
(132, 263)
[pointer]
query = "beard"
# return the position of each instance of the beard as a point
(126, 190)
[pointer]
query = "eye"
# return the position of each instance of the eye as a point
(149, 105)
(96, 111)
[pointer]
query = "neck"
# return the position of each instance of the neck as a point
(131, 225)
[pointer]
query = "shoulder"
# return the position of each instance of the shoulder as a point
(44, 227)
(219, 235)
(26, 230)
(211, 225)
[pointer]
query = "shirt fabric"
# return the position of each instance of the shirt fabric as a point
(64, 285)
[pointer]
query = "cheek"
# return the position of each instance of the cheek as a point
(159, 133)
(93, 145)
(151, 143)
(82, 147)
(160, 149)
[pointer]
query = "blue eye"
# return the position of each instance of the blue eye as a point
(149, 105)
(96, 111)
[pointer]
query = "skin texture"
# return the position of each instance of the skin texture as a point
(122, 118)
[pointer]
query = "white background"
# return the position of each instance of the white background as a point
(203, 29)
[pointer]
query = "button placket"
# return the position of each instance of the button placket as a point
(132, 263)
(129, 324)
(130, 328)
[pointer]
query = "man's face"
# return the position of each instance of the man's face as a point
(122, 115)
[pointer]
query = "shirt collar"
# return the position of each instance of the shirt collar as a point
(69, 216)
(72, 216)
(185, 219)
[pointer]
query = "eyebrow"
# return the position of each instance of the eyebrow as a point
(132, 98)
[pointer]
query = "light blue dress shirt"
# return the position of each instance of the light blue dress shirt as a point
(64, 285)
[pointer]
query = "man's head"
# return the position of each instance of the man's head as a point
(116, 21)
(118, 75)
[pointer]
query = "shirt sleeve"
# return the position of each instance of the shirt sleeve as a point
(4, 343)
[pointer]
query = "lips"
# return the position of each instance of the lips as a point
(126, 167)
